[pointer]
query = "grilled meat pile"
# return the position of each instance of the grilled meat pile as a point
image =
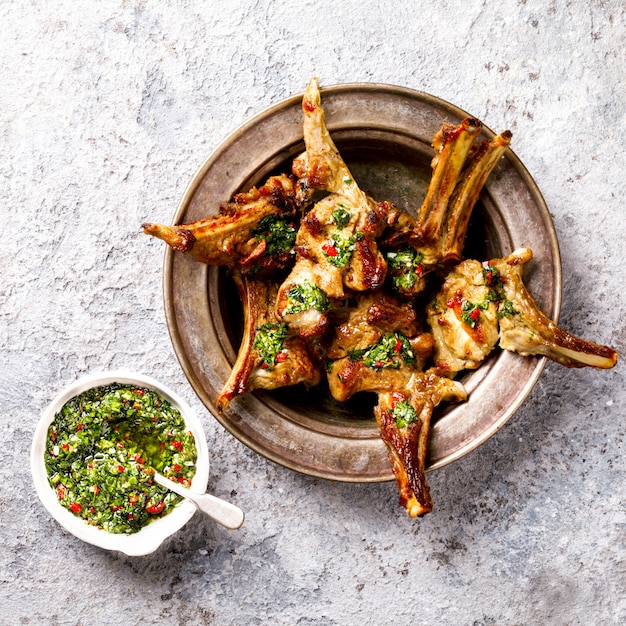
(332, 288)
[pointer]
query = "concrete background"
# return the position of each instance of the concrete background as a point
(106, 111)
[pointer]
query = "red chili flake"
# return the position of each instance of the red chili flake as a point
(89, 465)
(475, 314)
(79, 427)
(155, 509)
(92, 510)
(115, 507)
(451, 302)
(139, 392)
(177, 444)
(378, 364)
(61, 492)
(330, 249)
(53, 435)
(77, 508)
(177, 468)
(130, 517)
(396, 397)
(489, 277)
(66, 446)
(264, 365)
(309, 106)
(96, 489)
(281, 356)
(120, 468)
(419, 270)
(398, 345)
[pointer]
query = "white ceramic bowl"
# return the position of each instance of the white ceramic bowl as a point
(150, 537)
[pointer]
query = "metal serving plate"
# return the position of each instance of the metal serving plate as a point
(384, 133)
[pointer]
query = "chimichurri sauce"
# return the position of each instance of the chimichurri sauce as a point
(102, 449)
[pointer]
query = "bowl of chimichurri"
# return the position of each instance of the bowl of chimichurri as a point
(95, 451)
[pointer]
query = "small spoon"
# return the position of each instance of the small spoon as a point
(223, 512)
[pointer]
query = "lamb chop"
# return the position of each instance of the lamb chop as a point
(269, 357)
(526, 330)
(482, 304)
(463, 318)
(417, 246)
(380, 348)
(336, 243)
(255, 232)
(377, 348)
(403, 418)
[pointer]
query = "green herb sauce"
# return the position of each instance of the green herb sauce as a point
(404, 414)
(341, 216)
(339, 250)
(392, 350)
(268, 341)
(405, 266)
(470, 312)
(304, 296)
(279, 235)
(101, 452)
(493, 280)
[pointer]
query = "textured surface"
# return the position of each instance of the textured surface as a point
(106, 112)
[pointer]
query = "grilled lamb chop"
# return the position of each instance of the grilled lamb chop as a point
(380, 348)
(377, 348)
(254, 232)
(336, 244)
(463, 318)
(526, 330)
(268, 357)
(461, 167)
(482, 304)
(404, 420)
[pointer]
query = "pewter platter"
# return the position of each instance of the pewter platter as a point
(384, 133)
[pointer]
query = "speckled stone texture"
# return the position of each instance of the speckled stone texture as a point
(106, 111)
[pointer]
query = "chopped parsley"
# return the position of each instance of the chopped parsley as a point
(340, 216)
(279, 235)
(506, 308)
(340, 248)
(493, 280)
(392, 350)
(404, 414)
(405, 267)
(268, 341)
(304, 296)
(470, 312)
(491, 277)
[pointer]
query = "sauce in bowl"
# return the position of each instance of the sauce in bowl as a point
(102, 449)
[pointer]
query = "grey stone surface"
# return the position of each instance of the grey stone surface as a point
(106, 111)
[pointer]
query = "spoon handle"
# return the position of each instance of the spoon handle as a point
(223, 512)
